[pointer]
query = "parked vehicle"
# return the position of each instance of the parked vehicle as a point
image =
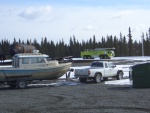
(99, 70)
(27, 67)
(102, 53)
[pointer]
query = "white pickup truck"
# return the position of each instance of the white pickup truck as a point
(99, 70)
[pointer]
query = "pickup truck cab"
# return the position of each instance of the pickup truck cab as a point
(99, 70)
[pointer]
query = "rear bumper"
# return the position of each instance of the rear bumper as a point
(82, 76)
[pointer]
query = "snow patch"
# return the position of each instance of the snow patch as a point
(118, 82)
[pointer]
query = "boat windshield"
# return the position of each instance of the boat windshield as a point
(38, 60)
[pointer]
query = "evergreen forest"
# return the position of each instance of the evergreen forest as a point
(124, 45)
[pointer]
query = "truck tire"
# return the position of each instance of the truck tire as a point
(98, 78)
(119, 75)
(104, 56)
(88, 57)
(84, 57)
(22, 83)
(82, 80)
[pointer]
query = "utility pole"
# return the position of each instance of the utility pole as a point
(149, 33)
(142, 44)
(130, 44)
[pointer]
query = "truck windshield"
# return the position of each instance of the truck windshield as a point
(97, 64)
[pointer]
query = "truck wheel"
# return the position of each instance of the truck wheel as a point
(119, 75)
(22, 83)
(88, 57)
(83, 80)
(103, 56)
(84, 57)
(98, 78)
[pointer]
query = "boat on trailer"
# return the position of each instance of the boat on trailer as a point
(27, 67)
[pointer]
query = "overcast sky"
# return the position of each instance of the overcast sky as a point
(61, 19)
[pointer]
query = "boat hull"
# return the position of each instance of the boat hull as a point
(48, 73)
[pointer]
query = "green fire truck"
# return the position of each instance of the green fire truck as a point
(102, 53)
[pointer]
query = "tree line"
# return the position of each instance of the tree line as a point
(124, 45)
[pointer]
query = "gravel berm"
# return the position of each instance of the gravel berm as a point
(83, 98)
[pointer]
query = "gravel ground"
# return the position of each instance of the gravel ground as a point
(82, 98)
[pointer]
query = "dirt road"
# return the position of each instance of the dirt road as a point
(81, 98)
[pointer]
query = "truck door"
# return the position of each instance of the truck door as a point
(107, 70)
(112, 70)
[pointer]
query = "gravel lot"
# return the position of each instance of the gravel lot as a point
(82, 98)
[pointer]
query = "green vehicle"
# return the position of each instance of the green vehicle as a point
(102, 53)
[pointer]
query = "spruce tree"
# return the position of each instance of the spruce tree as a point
(130, 43)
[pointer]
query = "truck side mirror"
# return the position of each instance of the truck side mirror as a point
(113, 66)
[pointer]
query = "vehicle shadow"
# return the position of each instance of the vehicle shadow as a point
(28, 87)
(124, 87)
(43, 84)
